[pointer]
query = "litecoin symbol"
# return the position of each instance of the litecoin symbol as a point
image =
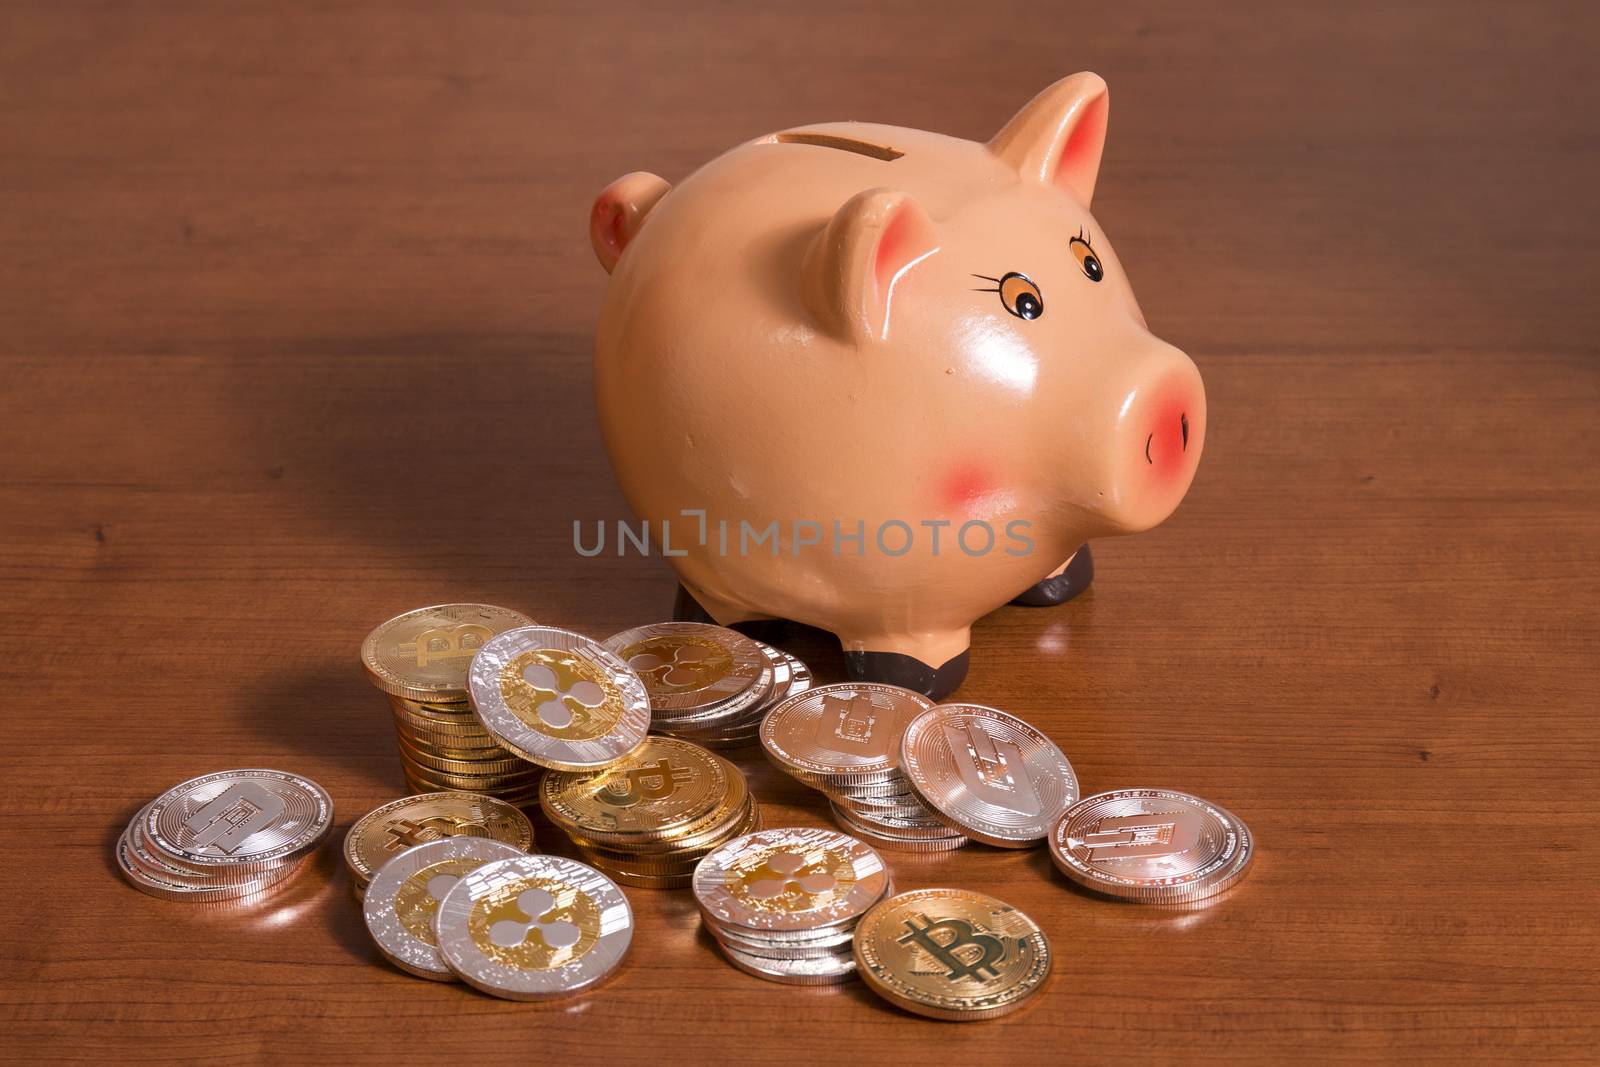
(991, 769)
(1143, 837)
(851, 720)
(967, 953)
(656, 780)
(233, 815)
(452, 643)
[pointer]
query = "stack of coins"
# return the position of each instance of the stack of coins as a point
(951, 954)
(230, 836)
(649, 819)
(845, 741)
(385, 832)
(420, 660)
(783, 904)
(557, 698)
(708, 684)
(987, 774)
(1153, 846)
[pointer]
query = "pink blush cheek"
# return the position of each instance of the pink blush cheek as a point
(968, 489)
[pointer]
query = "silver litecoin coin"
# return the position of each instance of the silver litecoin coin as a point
(1155, 846)
(237, 825)
(534, 927)
(987, 774)
(789, 880)
(404, 896)
(558, 698)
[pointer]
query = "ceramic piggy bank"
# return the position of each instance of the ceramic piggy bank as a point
(881, 381)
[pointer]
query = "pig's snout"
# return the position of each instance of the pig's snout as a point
(1160, 433)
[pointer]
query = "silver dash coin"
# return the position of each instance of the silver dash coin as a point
(558, 698)
(1155, 846)
(234, 825)
(142, 879)
(534, 927)
(988, 774)
(403, 897)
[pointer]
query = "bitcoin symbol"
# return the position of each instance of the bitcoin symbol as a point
(405, 833)
(955, 955)
(233, 815)
(656, 780)
(1129, 837)
(451, 643)
(851, 720)
(782, 870)
(992, 770)
(509, 933)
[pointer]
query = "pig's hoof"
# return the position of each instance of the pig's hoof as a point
(1064, 586)
(895, 668)
(687, 609)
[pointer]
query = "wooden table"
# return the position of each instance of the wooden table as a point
(274, 283)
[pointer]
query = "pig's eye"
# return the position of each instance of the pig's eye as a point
(1018, 293)
(1086, 257)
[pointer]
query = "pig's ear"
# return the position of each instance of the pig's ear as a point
(866, 250)
(1058, 137)
(619, 212)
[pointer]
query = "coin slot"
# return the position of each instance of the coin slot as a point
(842, 144)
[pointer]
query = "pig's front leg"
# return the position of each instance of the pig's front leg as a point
(1072, 578)
(904, 661)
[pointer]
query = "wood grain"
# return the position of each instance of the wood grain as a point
(276, 280)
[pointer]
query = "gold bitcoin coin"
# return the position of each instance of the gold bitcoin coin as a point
(951, 954)
(662, 789)
(487, 762)
(424, 654)
(384, 833)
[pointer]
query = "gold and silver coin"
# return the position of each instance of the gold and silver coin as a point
(951, 954)
(646, 820)
(1155, 846)
(404, 895)
(708, 684)
(557, 698)
(424, 654)
(229, 836)
(988, 774)
(385, 832)
(783, 904)
(533, 927)
(844, 740)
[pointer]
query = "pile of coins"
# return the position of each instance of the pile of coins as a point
(783, 904)
(951, 954)
(845, 741)
(386, 832)
(649, 818)
(480, 911)
(420, 660)
(708, 684)
(230, 836)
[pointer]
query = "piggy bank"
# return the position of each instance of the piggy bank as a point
(882, 382)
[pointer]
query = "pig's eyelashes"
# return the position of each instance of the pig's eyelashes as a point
(1084, 253)
(1018, 293)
